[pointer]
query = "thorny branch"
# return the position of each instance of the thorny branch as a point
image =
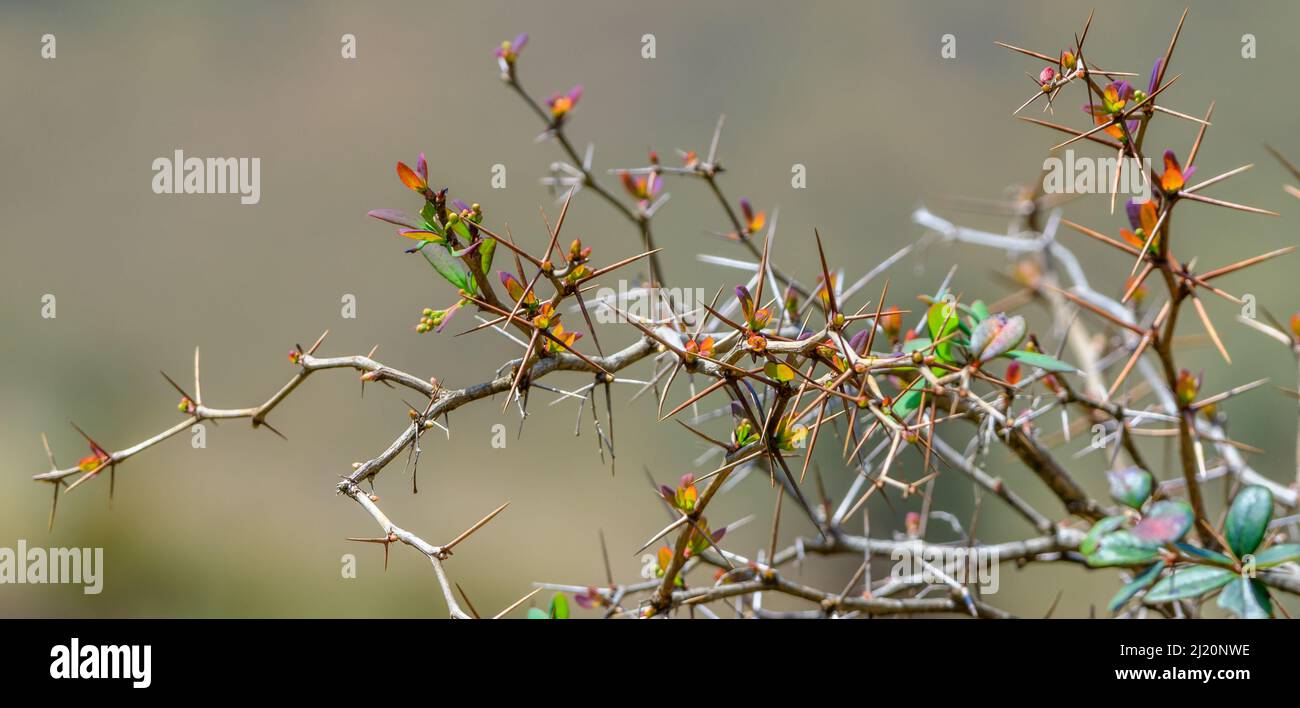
(885, 390)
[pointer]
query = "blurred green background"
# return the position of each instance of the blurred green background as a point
(856, 91)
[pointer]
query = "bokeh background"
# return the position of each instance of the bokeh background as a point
(250, 526)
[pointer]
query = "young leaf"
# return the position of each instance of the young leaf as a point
(1248, 519)
(461, 229)
(1130, 486)
(559, 607)
(779, 372)
(446, 265)
(1041, 361)
(942, 320)
(1099, 529)
(996, 335)
(430, 216)
(396, 216)
(536, 614)
(1188, 581)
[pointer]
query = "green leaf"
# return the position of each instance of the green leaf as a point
(430, 216)
(1130, 486)
(979, 311)
(1247, 599)
(1099, 529)
(1277, 555)
(559, 607)
(486, 252)
(916, 345)
(1166, 522)
(1041, 361)
(536, 614)
(461, 230)
(906, 403)
(1188, 581)
(778, 371)
(1127, 592)
(943, 321)
(446, 265)
(1248, 519)
(1122, 548)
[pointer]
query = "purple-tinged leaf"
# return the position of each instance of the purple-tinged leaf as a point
(1130, 486)
(396, 216)
(996, 335)
(858, 340)
(1166, 522)
(1122, 548)
(1155, 74)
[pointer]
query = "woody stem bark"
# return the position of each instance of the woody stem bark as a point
(1164, 349)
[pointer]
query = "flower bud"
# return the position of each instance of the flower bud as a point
(1187, 386)
(1013, 373)
(1052, 384)
(1140, 292)
(1027, 273)
(912, 522)
(892, 322)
